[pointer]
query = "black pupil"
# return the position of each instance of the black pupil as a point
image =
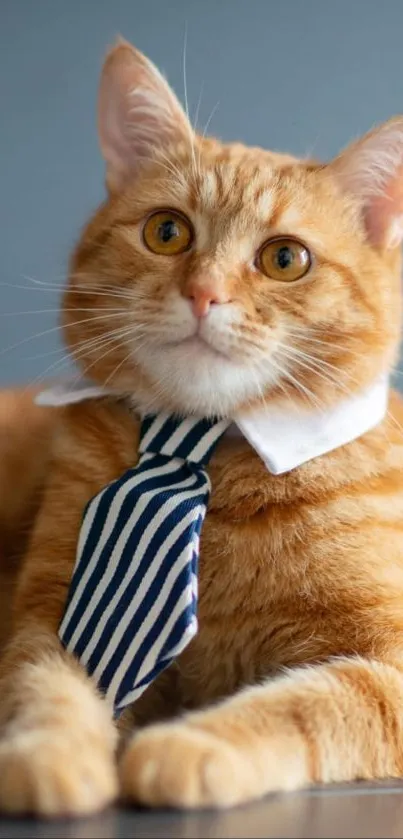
(167, 230)
(284, 257)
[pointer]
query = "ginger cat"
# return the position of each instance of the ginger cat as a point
(266, 279)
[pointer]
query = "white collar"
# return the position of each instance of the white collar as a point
(283, 440)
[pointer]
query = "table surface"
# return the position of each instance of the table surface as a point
(367, 811)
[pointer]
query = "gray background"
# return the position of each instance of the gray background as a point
(298, 75)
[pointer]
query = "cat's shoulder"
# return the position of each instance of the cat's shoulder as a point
(97, 436)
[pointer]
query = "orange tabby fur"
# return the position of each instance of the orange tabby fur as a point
(299, 569)
(25, 443)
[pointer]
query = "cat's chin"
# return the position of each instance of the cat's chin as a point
(192, 377)
(197, 346)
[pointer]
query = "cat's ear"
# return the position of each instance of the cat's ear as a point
(372, 169)
(138, 113)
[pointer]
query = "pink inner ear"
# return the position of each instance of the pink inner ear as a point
(138, 113)
(371, 169)
(384, 214)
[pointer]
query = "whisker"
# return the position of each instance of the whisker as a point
(88, 291)
(92, 285)
(325, 376)
(311, 397)
(300, 387)
(54, 329)
(97, 360)
(302, 336)
(396, 422)
(117, 368)
(133, 329)
(196, 116)
(216, 106)
(90, 345)
(306, 392)
(318, 362)
(59, 311)
(165, 163)
(185, 90)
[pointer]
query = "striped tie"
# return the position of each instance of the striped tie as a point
(132, 601)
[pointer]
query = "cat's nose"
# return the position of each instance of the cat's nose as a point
(202, 298)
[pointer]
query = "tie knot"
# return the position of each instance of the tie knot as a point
(190, 439)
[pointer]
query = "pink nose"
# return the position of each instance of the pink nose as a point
(202, 298)
(201, 303)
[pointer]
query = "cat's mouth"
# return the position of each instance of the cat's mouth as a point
(198, 344)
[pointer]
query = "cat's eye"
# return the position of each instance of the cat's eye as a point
(167, 233)
(285, 260)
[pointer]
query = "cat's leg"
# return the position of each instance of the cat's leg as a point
(57, 736)
(332, 722)
(57, 741)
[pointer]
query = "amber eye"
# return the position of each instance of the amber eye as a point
(167, 233)
(285, 260)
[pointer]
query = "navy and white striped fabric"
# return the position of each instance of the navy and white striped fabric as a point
(133, 597)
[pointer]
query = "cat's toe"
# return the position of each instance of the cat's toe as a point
(179, 765)
(46, 774)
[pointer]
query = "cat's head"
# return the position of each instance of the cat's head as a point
(216, 276)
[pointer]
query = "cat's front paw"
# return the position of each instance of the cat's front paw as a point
(47, 773)
(180, 765)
